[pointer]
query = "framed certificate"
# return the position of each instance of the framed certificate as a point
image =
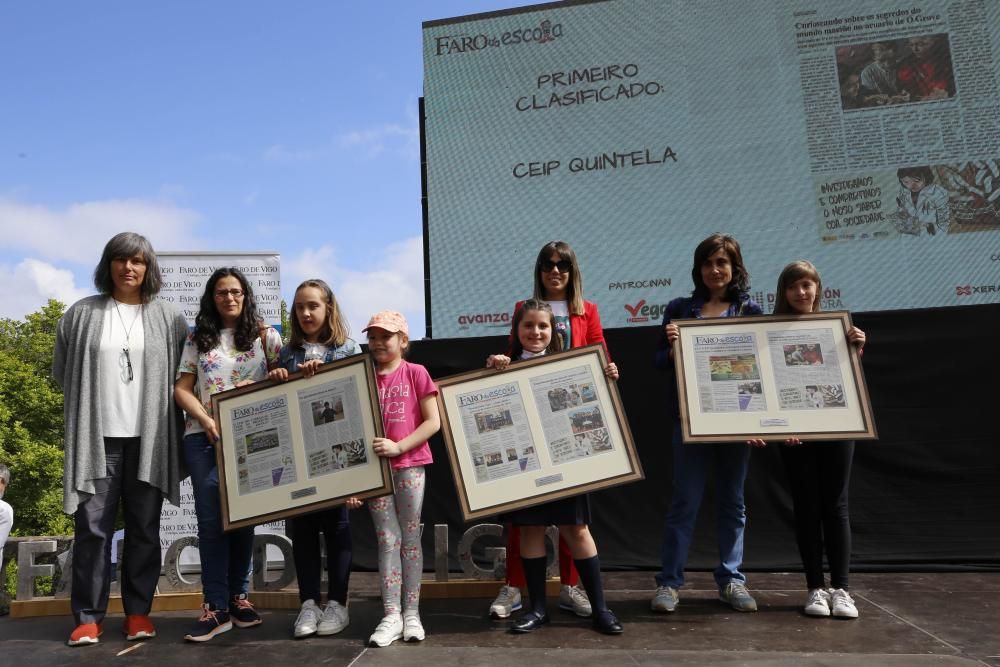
(289, 448)
(543, 429)
(771, 377)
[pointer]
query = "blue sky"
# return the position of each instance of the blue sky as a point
(217, 125)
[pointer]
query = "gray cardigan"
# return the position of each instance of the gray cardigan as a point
(75, 368)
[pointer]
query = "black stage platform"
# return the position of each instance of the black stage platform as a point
(911, 620)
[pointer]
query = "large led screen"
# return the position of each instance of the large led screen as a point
(863, 136)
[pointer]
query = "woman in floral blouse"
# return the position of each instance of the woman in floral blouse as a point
(229, 347)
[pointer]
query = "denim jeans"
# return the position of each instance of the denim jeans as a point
(225, 557)
(691, 467)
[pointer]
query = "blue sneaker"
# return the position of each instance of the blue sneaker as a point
(243, 613)
(212, 622)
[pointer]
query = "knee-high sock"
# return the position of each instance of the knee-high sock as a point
(590, 575)
(534, 574)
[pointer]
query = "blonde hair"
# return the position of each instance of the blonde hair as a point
(791, 273)
(335, 329)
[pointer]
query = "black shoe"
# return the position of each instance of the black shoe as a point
(529, 622)
(606, 622)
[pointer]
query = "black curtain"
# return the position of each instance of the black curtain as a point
(924, 496)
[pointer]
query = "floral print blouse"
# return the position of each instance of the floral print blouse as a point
(224, 367)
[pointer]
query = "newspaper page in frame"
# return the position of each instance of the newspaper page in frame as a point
(497, 430)
(728, 372)
(571, 416)
(807, 373)
(265, 458)
(333, 432)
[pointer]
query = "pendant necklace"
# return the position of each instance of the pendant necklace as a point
(128, 333)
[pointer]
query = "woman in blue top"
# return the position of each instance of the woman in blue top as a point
(319, 335)
(721, 283)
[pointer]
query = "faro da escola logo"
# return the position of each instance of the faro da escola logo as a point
(546, 31)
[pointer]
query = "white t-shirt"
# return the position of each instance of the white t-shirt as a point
(120, 396)
(6, 523)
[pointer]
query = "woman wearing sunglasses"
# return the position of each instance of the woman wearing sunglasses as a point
(557, 282)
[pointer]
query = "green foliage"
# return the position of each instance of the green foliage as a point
(31, 423)
(286, 325)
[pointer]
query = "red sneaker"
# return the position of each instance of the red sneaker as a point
(139, 627)
(84, 634)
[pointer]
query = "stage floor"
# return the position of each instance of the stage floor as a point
(905, 620)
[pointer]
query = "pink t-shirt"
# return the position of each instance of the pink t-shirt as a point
(399, 394)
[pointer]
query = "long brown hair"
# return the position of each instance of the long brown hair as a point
(574, 289)
(796, 271)
(335, 329)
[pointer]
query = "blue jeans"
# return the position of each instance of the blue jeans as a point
(691, 466)
(225, 557)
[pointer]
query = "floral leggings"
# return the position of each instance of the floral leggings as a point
(397, 527)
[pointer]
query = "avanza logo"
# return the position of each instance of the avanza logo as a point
(641, 312)
(489, 319)
(445, 45)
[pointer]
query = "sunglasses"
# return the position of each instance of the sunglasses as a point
(564, 265)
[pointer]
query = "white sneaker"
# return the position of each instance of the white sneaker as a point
(842, 604)
(508, 600)
(334, 620)
(818, 602)
(389, 630)
(574, 599)
(307, 620)
(413, 629)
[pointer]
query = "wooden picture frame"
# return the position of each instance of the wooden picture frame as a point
(771, 377)
(290, 448)
(543, 429)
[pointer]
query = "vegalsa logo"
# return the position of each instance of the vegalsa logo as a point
(641, 312)
(489, 319)
(445, 45)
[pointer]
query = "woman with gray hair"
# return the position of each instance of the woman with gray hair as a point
(114, 358)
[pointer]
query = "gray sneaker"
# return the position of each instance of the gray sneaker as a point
(664, 600)
(574, 599)
(738, 597)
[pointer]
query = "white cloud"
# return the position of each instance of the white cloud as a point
(78, 232)
(398, 138)
(282, 153)
(27, 286)
(395, 282)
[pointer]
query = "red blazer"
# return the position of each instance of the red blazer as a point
(585, 329)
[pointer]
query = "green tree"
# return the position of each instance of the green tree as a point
(286, 325)
(31, 422)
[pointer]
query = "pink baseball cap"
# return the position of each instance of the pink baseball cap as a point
(390, 320)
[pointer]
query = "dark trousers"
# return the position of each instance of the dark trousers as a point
(305, 549)
(819, 474)
(95, 527)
